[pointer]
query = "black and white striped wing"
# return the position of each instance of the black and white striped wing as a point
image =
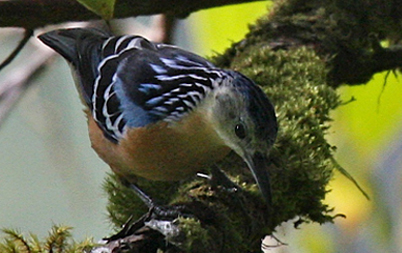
(141, 83)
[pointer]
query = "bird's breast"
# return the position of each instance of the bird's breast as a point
(161, 151)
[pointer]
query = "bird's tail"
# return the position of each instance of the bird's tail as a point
(73, 43)
(82, 49)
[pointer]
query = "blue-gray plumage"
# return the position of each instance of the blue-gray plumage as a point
(161, 112)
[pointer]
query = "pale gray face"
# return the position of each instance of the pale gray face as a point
(245, 117)
(246, 121)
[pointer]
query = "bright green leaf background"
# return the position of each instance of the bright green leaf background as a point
(217, 28)
(103, 8)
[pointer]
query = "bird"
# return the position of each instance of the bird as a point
(162, 113)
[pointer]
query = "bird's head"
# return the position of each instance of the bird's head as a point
(245, 120)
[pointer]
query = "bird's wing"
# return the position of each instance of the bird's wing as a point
(140, 82)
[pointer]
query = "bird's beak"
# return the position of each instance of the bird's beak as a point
(258, 164)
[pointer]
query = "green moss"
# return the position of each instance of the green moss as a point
(58, 240)
(194, 233)
(123, 202)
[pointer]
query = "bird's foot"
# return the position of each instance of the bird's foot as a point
(161, 218)
(219, 180)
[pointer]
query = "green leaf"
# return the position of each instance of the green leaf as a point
(103, 8)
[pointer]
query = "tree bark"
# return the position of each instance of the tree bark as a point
(32, 14)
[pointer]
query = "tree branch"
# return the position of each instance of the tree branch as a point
(27, 35)
(358, 68)
(37, 13)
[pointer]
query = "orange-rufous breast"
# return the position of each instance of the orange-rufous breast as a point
(161, 151)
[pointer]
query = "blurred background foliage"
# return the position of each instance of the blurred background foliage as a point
(51, 175)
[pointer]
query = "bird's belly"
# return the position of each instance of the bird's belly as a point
(161, 151)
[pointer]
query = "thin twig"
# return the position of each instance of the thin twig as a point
(352, 99)
(349, 176)
(27, 35)
(382, 90)
(163, 27)
(16, 81)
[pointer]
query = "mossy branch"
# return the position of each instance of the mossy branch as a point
(301, 162)
(299, 53)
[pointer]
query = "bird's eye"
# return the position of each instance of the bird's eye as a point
(240, 131)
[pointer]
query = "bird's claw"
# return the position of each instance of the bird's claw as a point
(159, 218)
(219, 180)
